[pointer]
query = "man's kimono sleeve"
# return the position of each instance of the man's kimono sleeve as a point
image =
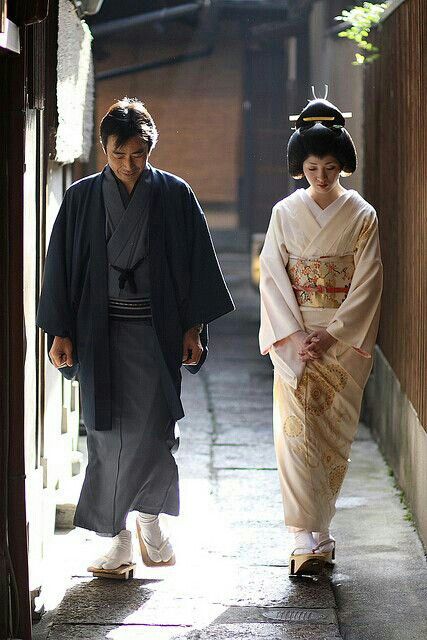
(54, 313)
(356, 320)
(208, 295)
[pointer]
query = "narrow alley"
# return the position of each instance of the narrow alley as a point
(298, 126)
(231, 578)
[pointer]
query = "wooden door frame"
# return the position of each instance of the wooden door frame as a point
(271, 35)
(12, 346)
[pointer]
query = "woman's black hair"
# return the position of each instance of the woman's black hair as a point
(126, 119)
(320, 131)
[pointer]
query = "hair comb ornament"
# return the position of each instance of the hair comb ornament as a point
(318, 117)
(325, 97)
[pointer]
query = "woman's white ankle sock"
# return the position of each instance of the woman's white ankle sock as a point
(323, 537)
(304, 541)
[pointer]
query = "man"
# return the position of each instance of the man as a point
(131, 282)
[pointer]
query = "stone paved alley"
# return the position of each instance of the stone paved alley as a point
(231, 579)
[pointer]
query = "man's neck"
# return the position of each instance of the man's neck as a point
(130, 185)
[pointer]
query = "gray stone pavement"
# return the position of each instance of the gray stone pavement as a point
(231, 579)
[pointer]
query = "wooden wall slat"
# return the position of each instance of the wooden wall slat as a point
(396, 184)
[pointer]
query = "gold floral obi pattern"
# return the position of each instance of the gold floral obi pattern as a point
(321, 282)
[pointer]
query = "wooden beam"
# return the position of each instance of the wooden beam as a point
(9, 39)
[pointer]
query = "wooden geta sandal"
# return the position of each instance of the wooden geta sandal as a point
(124, 572)
(305, 563)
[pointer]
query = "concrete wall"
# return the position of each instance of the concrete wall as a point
(400, 435)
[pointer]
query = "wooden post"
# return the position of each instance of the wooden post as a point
(12, 505)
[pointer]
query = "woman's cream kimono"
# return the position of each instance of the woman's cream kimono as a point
(319, 268)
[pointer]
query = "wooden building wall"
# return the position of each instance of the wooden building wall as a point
(196, 104)
(39, 411)
(395, 183)
(331, 60)
(50, 411)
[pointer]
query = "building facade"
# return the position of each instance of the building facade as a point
(395, 182)
(46, 124)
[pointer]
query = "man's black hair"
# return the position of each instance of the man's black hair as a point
(126, 119)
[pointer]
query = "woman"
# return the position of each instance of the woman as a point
(321, 283)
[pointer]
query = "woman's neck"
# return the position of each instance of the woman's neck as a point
(325, 199)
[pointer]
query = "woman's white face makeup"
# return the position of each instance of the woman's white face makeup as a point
(322, 173)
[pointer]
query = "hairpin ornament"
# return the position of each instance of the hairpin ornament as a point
(314, 92)
(320, 118)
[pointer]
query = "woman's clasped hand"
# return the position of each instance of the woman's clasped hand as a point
(312, 346)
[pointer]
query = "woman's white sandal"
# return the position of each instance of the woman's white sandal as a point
(305, 563)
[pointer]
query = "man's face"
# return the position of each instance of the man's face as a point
(127, 161)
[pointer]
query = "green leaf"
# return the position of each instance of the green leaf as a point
(361, 18)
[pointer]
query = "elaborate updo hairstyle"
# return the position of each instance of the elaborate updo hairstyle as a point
(320, 132)
(125, 119)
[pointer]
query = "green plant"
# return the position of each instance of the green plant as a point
(361, 20)
(407, 515)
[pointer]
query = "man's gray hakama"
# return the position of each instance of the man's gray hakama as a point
(99, 268)
(131, 466)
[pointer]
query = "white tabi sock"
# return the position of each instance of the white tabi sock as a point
(157, 541)
(324, 539)
(304, 542)
(119, 553)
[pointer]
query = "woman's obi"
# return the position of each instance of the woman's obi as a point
(321, 282)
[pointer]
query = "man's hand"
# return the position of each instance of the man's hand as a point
(61, 352)
(192, 347)
(315, 345)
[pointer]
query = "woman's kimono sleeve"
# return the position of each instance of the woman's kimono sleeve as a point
(280, 314)
(54, 312)
(356, 321)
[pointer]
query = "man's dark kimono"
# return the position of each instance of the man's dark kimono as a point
(186, 281)
(129, 371)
